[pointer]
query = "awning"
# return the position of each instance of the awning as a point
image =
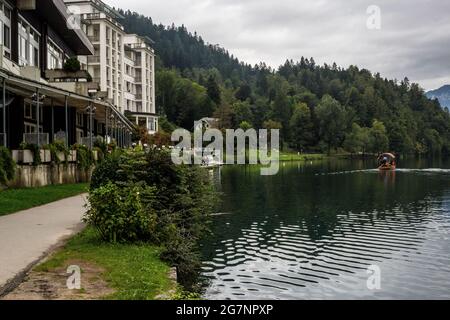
(59, 18)
(26, 88)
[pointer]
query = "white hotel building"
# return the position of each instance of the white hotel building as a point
(123, 64)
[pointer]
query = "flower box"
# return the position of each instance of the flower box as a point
(16, 155)
(46, 156)
(61, 156)
(73, 156)
(26, 156)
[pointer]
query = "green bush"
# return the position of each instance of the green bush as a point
(107, 171)
(72, 65)
(85, 157)
(184, 198)
(7, 166)
(122, 214)
(58, 147)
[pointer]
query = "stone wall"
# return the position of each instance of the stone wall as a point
(28, 176)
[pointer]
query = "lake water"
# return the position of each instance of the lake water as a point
(313, 230)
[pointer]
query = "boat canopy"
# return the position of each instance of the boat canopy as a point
(388, 155)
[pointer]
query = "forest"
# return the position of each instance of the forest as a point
(318, 108)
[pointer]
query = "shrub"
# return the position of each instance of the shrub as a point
(85, 157)
(106, 171)
(59, 147)
(7, 166)
(72, 65)
(122, 214)
(179, 210)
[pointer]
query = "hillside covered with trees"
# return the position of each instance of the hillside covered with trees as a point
(317, 107)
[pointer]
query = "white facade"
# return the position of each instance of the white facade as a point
(123, 64)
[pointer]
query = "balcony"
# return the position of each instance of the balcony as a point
(94, 38)
(93, 59)
(79, 82)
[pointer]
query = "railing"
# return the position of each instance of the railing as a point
(87, 140)
(93, 59)
(95, 38)
(92, 16)
(32, 138)
(138, 79)
(138, 96)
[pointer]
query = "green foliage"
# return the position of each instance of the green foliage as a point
(59, 147)
(36, 151)
(107, 171)
(357, 140)
(378, 139)
(183, 101)
(121, 213)
(72, 65)
(7, 166)
(244, 125)
(301, 128)
(173, 205)
(85, 157)
(332, 119)
(213, 90)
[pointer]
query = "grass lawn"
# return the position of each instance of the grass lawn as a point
(134, 271)
(13, 200)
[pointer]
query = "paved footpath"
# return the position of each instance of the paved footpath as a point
(26, 236)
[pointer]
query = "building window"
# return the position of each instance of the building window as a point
(80, 119)
(31, 128)
(28, 44)
(55, 57)
(30, 111)
(5, 28)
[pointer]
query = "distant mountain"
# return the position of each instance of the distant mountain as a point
(442, 94)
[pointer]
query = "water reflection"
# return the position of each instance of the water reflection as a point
(312, 231)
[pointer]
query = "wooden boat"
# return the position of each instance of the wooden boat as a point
(386, 162)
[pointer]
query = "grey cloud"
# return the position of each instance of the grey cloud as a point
(414, 40)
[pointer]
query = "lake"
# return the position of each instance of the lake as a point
(317, 229)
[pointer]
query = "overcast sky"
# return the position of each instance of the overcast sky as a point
(413, 41)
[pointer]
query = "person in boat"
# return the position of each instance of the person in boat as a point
(387, 160)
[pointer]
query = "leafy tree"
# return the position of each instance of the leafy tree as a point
(379, 141)
(301, 128)
(332, 122)
(242, 111)
(244, 92)
(244, 125)
(213, 90)
(357, 139)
